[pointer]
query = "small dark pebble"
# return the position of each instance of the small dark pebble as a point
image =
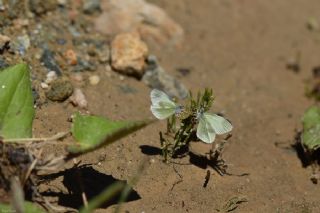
(127, 89)
(316, 72)
(60, 90)
(315, 92)
(84, 66)
(49, 62)
(184, 71)
(18, 156)
(294, 66)
(91, 6)
(40, 7)
(3, 64)
(35, 95)
(61, 41)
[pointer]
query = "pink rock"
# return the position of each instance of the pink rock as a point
(128, 54)
(138, 15)
(79, 99)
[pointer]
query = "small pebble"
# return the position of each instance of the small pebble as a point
(152, 160)
(104, 55)
(48, 60)
(62, 2)
(22, 44)
(4, 42)
(3, 63)
(44, 85)
(71, 57)
(37, 56)
(60, 90)
(79, 99)
(51, 76)
(41, 7)
(77, 77)
(84, 65)
(91, 6)
(313, 24)
(61, 41)
(2, 7)
(94, 79)
(18, 23)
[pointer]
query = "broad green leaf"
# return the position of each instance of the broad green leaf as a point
(105, 196)
(16, 102)
(93, 132)
(311, 128)
(28, 208)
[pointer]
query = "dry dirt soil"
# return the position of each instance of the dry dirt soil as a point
(239, 48)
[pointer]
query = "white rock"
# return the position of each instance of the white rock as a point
(94, 79)
(51, 76)
(44, 85)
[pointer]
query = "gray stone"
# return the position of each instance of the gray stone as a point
(91, 6)
(21, 44)
(49, 62)
(157, 78)
(3, 63)
(84, 65)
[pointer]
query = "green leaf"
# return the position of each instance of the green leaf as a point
(93, 132)
(311, 128)
(28, 208)
(16, 102)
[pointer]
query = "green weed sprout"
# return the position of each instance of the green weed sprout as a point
(184, 121)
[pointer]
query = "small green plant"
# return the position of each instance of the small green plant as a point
(184, 121)
(310, 140)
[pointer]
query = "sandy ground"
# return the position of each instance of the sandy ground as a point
(240, 50)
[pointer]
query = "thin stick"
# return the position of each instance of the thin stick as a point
(30, 170)
(24, 140)
(79, 177)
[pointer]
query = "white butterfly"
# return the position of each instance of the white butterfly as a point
(162, 106)
(211, 124)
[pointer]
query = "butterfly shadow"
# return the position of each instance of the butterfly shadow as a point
(152, 150)
(92, 184)
(201, 161)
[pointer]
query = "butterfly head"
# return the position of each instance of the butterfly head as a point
(199, 113)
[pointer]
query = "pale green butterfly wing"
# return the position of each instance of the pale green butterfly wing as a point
(162, 107)
(205, 132)
(211, 124)
(219, 124)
